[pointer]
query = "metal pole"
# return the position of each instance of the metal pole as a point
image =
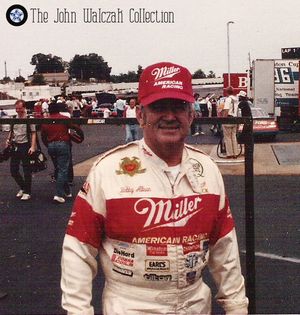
(249, 221)
(5, 69)
(228, 51)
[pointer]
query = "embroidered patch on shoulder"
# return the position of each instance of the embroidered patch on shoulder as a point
(197, 167)
(130, 166)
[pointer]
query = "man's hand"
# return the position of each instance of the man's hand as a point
(31, 150)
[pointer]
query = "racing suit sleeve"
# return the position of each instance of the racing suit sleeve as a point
(79, 267)
(80, 248)
(224, 265)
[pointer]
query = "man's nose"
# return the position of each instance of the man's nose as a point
(169, 114)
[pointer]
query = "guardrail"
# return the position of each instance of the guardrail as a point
(249, 177)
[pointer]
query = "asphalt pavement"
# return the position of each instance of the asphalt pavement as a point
(266, 162)
(32, 232)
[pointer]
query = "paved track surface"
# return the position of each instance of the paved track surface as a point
(31, 235)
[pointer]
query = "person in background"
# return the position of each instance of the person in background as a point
(244, 104)
(204, 106)
(196, 128)
(83, 102)
(37, 110)
(63, 110)
(219, 108)
(58, 141)
(120, 106)
(131, 129)
(69, 104)
(94, 102)
(24, 139)
(45, 107)
(156, 213)
(76, 106)
(230, 130)
(245, 108)
(214, 113)
(220, 105)
(3, 113)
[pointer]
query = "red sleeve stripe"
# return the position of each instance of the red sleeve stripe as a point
(85, 224)
(223, 225)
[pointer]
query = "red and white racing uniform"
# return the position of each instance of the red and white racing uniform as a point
(153, 236)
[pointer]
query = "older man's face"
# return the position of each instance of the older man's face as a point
(166, 122)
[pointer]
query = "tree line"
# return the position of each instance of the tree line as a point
(84, 68)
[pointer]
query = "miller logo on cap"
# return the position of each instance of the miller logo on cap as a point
(165, 80)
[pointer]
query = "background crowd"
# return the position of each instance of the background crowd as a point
(58, 141)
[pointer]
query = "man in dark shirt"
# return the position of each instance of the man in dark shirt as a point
(244, 106)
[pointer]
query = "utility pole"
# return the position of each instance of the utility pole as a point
(5, 69)
(228, 51)
(249, 74)
(249, 59)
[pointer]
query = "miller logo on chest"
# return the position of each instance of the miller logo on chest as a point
(167, 212)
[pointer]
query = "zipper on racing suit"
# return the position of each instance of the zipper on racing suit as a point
(172, 183)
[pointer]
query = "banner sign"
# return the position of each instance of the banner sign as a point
(290, 53)
(286, 82)
(238, 81)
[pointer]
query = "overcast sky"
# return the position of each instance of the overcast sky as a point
(196, 39)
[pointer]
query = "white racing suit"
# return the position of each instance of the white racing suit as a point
(153, 237)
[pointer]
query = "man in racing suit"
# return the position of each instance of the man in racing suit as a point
(156, 213)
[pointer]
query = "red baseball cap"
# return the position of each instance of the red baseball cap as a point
(165, 80)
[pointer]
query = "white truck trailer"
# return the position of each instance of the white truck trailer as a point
(275, 88)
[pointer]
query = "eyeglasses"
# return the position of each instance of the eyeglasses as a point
(175, 105)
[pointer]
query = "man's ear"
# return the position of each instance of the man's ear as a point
(140, 117)
(192, 115)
